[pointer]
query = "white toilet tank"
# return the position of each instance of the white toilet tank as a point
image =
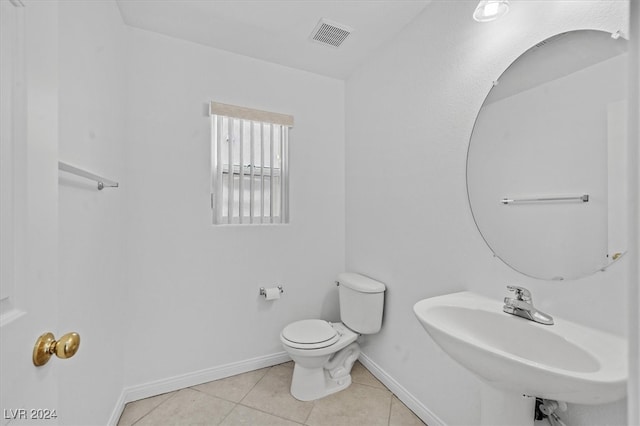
(361, 302)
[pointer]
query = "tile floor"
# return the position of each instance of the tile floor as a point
(262, 398)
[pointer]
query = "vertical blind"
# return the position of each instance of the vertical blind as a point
(250, 159)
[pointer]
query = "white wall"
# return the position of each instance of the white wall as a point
(633, 292)
(193, 287)
(92, 260)
(410, 111)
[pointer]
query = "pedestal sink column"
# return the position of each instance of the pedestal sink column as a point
(505, 408)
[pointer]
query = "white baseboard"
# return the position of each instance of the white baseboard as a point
(117, 410)
(403, 394)
(170, 384)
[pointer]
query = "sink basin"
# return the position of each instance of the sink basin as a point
(565, 361)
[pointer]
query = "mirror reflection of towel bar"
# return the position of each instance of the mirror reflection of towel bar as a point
(584, 198)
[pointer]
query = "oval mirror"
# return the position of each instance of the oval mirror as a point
(546, 161)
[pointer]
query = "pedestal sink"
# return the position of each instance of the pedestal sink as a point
(518, 360)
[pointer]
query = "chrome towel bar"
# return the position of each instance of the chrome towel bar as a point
(102, 182)
(584, 198)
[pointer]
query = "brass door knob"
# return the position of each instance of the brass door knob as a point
(47, 345)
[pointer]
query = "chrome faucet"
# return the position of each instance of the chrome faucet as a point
(522, 306)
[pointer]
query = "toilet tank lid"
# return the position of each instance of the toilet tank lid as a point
(360, 283)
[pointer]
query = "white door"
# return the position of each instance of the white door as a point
(28, 208)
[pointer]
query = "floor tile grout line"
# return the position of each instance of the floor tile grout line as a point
(227, 415)
(271, 414)
(393, 395)
(371, 386)
(390, 408)
(256, 383)
(213, 396)
(310, 411)
(262, 411)
(173, 394)
(223, 398)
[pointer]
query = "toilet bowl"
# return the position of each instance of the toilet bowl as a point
(324, 352)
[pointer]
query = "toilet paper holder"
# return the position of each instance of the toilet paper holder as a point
(263, 291)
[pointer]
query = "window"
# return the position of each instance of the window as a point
(250, 158)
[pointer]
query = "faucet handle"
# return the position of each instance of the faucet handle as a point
(521, 293)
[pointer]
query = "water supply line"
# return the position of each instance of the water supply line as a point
(548, 407)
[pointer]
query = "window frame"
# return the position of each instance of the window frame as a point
(229, 123)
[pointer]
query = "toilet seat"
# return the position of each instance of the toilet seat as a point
(310, 334)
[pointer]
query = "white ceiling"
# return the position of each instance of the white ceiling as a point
(278, 30)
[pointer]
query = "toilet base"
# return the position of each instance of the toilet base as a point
(308, 384)
(315, 383)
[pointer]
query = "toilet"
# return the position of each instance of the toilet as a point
(324, 352)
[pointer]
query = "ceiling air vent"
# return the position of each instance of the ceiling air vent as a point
(330, 33)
